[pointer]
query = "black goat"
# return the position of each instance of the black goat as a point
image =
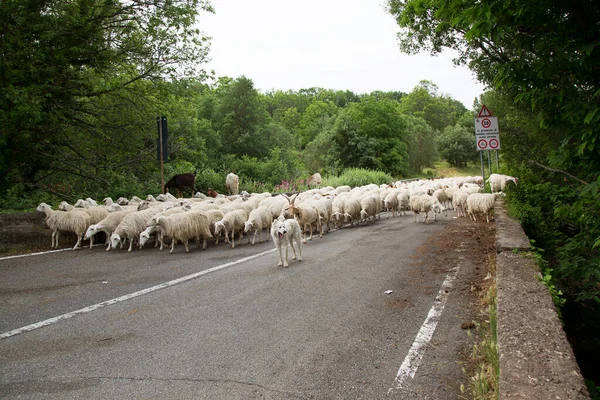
(182, 181)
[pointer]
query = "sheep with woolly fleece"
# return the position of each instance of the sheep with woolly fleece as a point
(498, 182)
(481, 202)
(131, 226)
(184, 226)
(154, 228)
(325, 207)
(424, 204)
(306, 213)
(314, 180)
(75, 221)
(65, 206)
(391, 202)
(214, 216)
(232, 222)
(107, 201)
(442, 198)
(107, 225)
(459, 202)
(403, 200)
(370, 207)
(258, 219)
(232, 182)
(352, 210)
(338, 209)
(276, 204)
(122, 201)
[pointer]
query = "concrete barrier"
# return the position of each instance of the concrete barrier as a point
(536, 360)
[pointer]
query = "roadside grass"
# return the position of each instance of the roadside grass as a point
(483, 367)
(443, 169)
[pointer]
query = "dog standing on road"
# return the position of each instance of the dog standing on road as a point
(284, 232)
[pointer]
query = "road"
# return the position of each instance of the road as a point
(241, 327)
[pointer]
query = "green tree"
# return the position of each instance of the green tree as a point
(318, 117)
(371, 134)
(425, 102)
(456, 145)
(239, 117)
(422, 149)
(65, 66)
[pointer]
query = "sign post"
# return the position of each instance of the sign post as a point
(487, 136)
(162, 147)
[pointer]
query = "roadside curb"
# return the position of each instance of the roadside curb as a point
(536, 360)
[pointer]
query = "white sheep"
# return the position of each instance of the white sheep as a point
(481, 202)
(325, 207)
(232, 184)
(154, 228)
(370, 207)
(107, 225)
(131, 226)
(424, 204)
(498, 182)
(232, 222)
(338, 209)
(403, 200)
(305, 213)
(214, 216)
(352, 210)
(390, 202)
(459, 202)
(67, 221)
(276, 204)
(184, 226)
(314, 180)
(258, 219)
(442, 198)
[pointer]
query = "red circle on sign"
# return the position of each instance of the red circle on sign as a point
(482, 144)
(486, 123)
(493, 143)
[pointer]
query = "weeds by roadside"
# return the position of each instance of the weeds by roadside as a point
(484, 368)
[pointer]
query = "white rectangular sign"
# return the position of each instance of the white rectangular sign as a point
(487, 134)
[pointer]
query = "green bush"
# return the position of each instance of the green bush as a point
(358, 177)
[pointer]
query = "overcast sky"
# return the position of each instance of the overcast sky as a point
(332, 44)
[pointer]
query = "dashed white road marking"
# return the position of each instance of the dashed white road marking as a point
(411, 363)
(177, 281)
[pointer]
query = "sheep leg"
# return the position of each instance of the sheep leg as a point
(57, 235)
(78, 242)
(91, 241)
(204, 244)
(233, 238)
(130, 245)
(172, 246)
(253, 237)
(186, 244)
(53, 239)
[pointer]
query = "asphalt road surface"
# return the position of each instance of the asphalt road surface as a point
(81, 324)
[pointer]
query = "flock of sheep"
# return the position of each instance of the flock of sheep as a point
(201, 218)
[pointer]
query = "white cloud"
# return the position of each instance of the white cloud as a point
(333, 44)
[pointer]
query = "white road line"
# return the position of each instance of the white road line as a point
(411, 363)
(71, 314)
(34, 254)
(45, 252)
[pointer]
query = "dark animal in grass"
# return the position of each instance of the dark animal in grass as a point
(181, 182)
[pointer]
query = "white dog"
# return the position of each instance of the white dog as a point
(284, 232)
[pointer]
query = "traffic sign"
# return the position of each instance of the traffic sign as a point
(484, 112)
(487, 134)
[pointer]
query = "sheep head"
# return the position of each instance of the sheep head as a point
(115, 239)
(91, 231)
